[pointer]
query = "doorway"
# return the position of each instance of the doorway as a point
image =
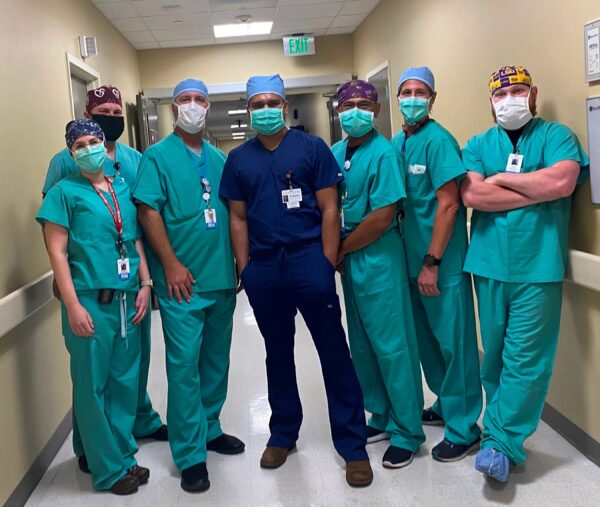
(82, 78)
(379, 77)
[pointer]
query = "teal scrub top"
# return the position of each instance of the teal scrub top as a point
(92, 251)
(373, 181)
(169, 181)
(63, 165)
(525, 245)
(432, 159)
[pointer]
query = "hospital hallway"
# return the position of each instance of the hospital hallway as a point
(556, 474)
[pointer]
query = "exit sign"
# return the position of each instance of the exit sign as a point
(298, 46)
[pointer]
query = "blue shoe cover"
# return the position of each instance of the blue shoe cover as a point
(493, 464)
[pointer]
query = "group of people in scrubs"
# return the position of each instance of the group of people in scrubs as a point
(277, 218)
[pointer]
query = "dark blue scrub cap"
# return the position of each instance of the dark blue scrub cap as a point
(77, 128)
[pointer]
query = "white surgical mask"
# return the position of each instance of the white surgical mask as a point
(191, 117)
(512, 113)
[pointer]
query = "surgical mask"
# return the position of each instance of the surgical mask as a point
(191, 117)
(356, 122)
(268, 120)
(512, 112)
(414, 109)
(112, 126)
(90, 159)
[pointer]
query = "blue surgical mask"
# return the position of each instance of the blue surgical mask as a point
(90, 159)
(356, 122)
(268, 120)
(414, 109)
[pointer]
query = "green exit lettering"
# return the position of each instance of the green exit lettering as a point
(298, 45)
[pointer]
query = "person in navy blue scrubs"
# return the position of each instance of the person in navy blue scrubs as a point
(282, 191)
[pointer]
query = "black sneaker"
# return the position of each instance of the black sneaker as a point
(195, 478)
(161, 434)
(226, 444)
(375, 435)
(430, 418)
(83, 465)
(396, 457)
(447, 452)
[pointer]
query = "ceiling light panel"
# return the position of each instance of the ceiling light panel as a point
(241, 29)
(233, 112)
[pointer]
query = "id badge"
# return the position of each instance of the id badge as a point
(210, 218)
(292, 197)
(123, 270)
(514, 163)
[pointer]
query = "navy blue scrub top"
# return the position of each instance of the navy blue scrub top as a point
(257, 176)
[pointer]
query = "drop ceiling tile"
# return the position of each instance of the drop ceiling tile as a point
(203, 32)
(225, 17)
(155, 7)
(176, 21)
(187, 43)
(308, 11)
(358, 7)
(105, 1)
(301, 25)
(129, 24)
(146, 45)
(354, 20)
(134, 37)
(340, 30)
(305, 2)
(232, 5)
(115, 10)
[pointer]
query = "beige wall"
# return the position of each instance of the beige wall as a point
(226, 145)
(463, 41)
(233, 63)
(35, 104)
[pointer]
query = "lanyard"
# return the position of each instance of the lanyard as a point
(115, 214)
(206, 188)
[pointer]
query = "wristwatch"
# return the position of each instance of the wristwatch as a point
(147, 283)
(431, 260)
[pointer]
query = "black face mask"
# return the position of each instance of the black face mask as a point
(112, 126)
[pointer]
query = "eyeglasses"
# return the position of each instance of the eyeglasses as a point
(259, 104)
(365, 105)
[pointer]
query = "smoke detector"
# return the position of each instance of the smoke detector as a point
(243, 18)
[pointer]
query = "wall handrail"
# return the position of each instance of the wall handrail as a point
(24, 302)
(583, 269)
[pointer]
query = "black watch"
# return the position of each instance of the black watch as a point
(431, 260)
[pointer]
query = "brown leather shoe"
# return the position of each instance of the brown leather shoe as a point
(126, 485)
(142, 473)
(359, 473)
(274, 457)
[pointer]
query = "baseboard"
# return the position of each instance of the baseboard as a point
(37, 470)
(578, 438)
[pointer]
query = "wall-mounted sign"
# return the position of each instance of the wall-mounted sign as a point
(592, 51)
(299, 46)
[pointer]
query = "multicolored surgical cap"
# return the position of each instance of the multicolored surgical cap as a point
(103, 95)
(356, 89)
(77, 128)
(509, 75)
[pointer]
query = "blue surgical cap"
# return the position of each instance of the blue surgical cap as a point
(265, 84)
(77, 128)
(422, 74)
(190, 85)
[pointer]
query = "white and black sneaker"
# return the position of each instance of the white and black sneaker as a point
(375, 435)
(447, 452)
(396, 457)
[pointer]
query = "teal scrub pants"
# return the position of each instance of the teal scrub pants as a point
(519, 329)
(104, 372)
(147, 420)
(197, 342)
(448, 348)
(382, 339)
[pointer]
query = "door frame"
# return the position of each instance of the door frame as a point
(82, 70)
(377, 70)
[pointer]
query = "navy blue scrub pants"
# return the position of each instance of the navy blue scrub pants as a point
(279, 283)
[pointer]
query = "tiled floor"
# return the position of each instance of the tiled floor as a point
(555, 475)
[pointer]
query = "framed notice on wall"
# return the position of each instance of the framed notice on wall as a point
(591, 34)
(593, 124)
